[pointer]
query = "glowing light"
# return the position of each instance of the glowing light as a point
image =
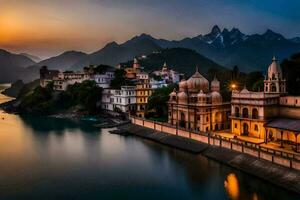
(233, 86)
(231, 185)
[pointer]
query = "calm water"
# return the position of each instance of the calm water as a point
(45, 158)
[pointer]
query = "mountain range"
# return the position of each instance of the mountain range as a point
(225, 47)
(232, 47)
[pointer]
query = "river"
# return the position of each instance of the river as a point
(47, 158)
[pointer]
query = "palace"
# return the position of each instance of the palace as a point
(198, 106)
(271, 115)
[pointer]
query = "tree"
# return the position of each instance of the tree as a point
(120, 79)
(291, 71)
(157, 102)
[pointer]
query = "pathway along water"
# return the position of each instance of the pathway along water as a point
(47, 158)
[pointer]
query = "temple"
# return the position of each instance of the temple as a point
(198, 105)
(271, 115)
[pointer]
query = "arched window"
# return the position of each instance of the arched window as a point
(273, 87)
(273, 76)
(216, 127)
(254, 113)
(245, 113)
(182, 117)
(237, 112)
(256, 127)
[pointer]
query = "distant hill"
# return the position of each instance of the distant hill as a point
(12, 67)
(291, 71)
(113, 53)
(232, 47)
(63, 61)
(32, 57)
(180, 59)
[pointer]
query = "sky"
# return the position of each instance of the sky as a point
(46, 28)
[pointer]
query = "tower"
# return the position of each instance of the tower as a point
(274, 82)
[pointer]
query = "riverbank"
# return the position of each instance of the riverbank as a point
(268, 171)
(102, 120)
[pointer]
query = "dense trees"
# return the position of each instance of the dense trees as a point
(43, 101)
(120, 79)
(157, 102)
(291, 71)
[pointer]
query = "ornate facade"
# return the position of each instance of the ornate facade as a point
(198, 105)
(266, 114)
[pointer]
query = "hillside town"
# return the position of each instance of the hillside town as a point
(261, 117)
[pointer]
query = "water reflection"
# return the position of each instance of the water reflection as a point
(46, 158)
(231, 185)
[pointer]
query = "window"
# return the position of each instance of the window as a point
(237, 112)
(245, 113)
(256, 127)
(207, 119)
(235, 125)
(254, 113)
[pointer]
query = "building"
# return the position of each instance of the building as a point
(143, 92)
(123, 99)
(198, 105)
(169, 76)
(64, 79)
(46, 76)
(158, 84)
(131, 72)
(104, 78)
(271, 115)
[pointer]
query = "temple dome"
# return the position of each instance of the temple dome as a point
(201, 94)
(274, 69)
(182, 96)
(182, 85)
(173, 93)
(216, 97)
(215, 84)
(245, 90)
(197, 82)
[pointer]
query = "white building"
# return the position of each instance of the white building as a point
(64, 79)
(103, 80)
(170, 76)
(123, 99)
(158, 84)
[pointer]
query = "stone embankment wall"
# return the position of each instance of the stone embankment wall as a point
(289, 160)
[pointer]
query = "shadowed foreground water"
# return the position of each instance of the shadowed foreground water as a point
(46, 158)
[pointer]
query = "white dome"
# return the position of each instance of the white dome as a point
(197, 82)
(274, 69)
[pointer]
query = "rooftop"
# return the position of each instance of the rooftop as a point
(284, 124)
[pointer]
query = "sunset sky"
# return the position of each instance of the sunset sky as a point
(47, 28)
